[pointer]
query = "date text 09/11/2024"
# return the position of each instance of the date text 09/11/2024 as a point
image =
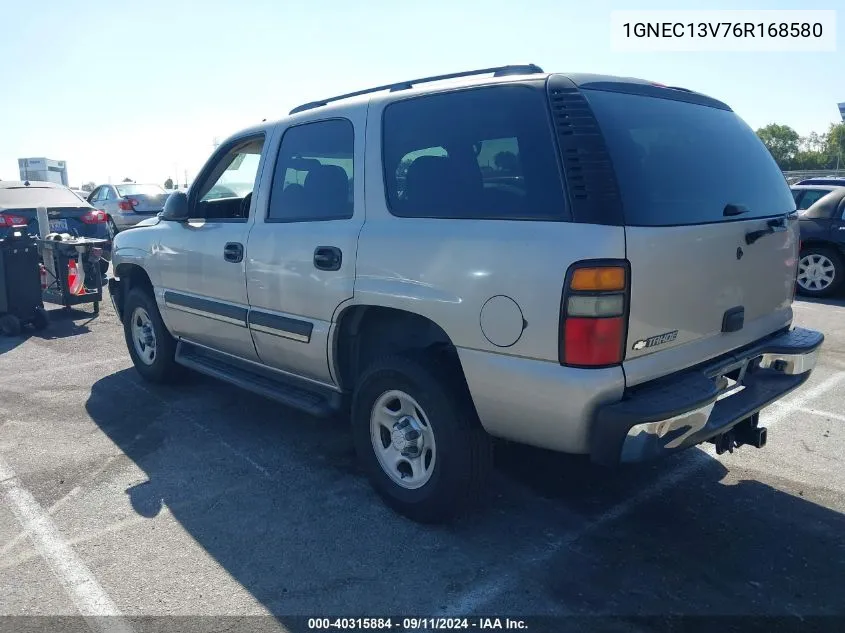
(415, 624)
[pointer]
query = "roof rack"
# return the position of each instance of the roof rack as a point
(498, 71)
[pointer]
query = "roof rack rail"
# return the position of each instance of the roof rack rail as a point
(498, 71)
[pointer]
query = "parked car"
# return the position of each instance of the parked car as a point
(826, 180)
(127, 204)
(618, 301)
(807, 195)
(19, 202)
(821, 267)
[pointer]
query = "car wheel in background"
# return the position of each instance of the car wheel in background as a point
(10, 325)
(151, 347)
(418, 437)
(820, 272)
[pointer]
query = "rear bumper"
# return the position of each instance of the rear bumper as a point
(691, 407)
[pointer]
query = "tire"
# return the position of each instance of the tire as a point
(820, 272)
(453, 466)
(10, 325)
(41, 320)
(140, 310)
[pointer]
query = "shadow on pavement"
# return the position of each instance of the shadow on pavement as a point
(63, 324)
(299, 528)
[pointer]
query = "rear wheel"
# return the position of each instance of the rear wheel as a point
(152, 348)
(418, 437)
(820, 272)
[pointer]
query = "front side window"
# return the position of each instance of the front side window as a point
(485, 153)
(314, 174)
(225, 191)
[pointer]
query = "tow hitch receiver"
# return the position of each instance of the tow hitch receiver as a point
(746, 432)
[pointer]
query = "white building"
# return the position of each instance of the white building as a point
(43, 169)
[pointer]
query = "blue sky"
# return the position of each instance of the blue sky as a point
(141, 89)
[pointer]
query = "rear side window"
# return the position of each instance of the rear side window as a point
(314, 173)
(810, 197)
(680, 163)
(485, 153)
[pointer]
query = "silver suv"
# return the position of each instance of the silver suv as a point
(588, 264)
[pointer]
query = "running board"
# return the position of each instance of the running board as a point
(288, 390)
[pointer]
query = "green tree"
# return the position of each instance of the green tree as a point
(89, 186)
(782, 143)
(127, 180)
(835, 146)
(168, 184)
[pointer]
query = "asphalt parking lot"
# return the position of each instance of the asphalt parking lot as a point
(198, 499)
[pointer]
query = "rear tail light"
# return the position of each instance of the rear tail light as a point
(594, 315)
(9, 220)
(95, 216)
(127, 204)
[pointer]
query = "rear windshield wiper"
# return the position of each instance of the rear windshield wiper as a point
(773, 226)
(734, 209)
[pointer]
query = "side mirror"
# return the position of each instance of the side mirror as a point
(176, 207)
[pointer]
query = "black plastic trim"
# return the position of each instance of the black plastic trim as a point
(686, 391)
(658, 92)
(289, 390)
(208, 306)
(283, 324)
(591, 185)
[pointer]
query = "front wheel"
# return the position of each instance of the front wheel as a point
(152, 348)
(820, 272)
(418, 437)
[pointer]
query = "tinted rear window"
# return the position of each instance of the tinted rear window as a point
(679, 163)
(32, 197)
(485, 153)
(140, 190)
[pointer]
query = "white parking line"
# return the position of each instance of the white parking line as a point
(90, 598)
(482, 595)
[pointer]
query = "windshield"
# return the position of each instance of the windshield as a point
(679, 163)
(33, 196)
(140, 190)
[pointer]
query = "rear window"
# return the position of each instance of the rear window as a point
(140, 190)
(485, 153)
(32, 197)
(679, 163)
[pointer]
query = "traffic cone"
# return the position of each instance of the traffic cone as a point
(75, 282)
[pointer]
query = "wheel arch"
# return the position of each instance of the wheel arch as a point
(365, 332)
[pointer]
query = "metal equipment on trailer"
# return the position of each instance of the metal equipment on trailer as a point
(70, 273)
(20, 292)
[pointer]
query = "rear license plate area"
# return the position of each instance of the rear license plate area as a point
(58, 226)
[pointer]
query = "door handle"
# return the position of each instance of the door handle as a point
(327, 258)
(233, 252)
